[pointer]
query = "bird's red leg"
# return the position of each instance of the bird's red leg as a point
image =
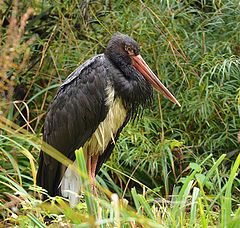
(91, 167)
(94, 161)
(94, 164)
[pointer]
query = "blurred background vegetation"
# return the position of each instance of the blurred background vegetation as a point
(192, 45)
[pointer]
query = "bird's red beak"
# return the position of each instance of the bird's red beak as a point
(141, 66)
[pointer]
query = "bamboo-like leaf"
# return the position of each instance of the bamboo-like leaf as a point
(136, 200)
(213, 168)
(146, 207)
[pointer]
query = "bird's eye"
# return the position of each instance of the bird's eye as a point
(129, 50)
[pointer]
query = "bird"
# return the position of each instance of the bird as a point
(91, 108)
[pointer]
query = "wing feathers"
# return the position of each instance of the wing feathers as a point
(75, 113)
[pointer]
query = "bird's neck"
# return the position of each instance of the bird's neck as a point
(130, 85)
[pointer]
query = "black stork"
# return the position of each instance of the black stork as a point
(91, 108)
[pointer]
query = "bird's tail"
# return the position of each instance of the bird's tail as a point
(47, 177)
(71, 186)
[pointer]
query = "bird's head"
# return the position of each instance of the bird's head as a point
(123, 51)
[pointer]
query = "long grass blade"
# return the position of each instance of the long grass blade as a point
(227, 202)
(91, 204)
(36, 221)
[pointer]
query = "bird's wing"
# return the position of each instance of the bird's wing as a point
(74, 115)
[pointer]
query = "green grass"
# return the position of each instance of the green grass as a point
(172, 167)
(194, 201)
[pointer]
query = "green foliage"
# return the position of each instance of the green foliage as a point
(175, 166)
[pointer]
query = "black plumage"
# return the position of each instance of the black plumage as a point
(82, 103)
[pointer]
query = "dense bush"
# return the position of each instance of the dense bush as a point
(193, 46)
